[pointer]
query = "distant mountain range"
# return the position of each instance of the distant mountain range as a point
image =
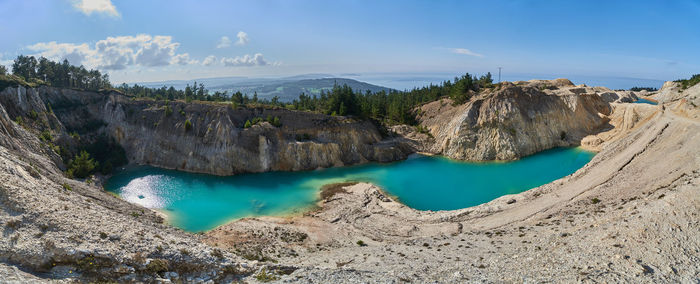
(286, 88)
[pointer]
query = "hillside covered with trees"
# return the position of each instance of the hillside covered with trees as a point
(388, 106)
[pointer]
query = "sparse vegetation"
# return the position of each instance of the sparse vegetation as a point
(13, 224)
(595, 201)
(188, 125)
(67, 186)
(157, 266)
(266, 276)
(687, 83)
(361, 243)
(45, 136)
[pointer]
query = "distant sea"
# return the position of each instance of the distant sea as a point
(407, 81)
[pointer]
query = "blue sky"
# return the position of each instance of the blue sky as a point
(136, 40)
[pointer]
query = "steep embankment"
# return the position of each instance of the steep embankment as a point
(516, 120)
(67, 229)
(206, 137)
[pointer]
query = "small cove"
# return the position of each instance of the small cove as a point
(199, 202)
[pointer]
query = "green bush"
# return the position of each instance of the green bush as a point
(46, 136)
(33, 114)
(157, 266)
(247, 124)
(82, 165)
(188, 125)
(168, 110)
(107, 152)
(276, 122)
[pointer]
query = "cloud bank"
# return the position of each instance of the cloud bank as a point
(116, 53)
(245, 60)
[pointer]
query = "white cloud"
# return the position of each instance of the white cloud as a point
(211, 59)
(224, 42)
(115, 53)
(183, 59)
(88, 7)
(465, 52)
(245, 60)
(76, 54)
(242, 38)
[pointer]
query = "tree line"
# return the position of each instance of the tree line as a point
(58, 74)
(389, 106)
(392, 106)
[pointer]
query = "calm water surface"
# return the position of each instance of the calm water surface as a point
(645, 101)
(198, 202)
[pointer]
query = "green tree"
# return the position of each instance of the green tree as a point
(3, 70)
(82, 165)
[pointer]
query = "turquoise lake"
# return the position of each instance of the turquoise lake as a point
(645, 101)
(198, 202)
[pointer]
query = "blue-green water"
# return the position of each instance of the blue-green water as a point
(645, 101)
(197, 202)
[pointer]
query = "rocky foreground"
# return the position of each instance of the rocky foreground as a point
(630, 215)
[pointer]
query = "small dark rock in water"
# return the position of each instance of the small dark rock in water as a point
(510, 201)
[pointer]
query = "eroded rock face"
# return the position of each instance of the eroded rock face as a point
(216, 141)
(515, 120)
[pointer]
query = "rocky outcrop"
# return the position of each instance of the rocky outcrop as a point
(214, 140)
(515, 120)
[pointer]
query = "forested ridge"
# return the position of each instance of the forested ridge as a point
(388, 106)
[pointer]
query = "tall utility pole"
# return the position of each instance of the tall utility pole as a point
(499, 74)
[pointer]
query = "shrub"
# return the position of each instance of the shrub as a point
(276, 122)
(361, 243)
(217, 253)
(67, 186)
(33, 114)
(595, 200)
(168, 110)
(266, 276)
(687, 83)
(82, 165)
(46, 136)
(188, 125)
(247, 124)
(157, 266)
(19, 120)
(12, 224)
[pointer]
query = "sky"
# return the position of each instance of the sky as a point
(155, 40)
